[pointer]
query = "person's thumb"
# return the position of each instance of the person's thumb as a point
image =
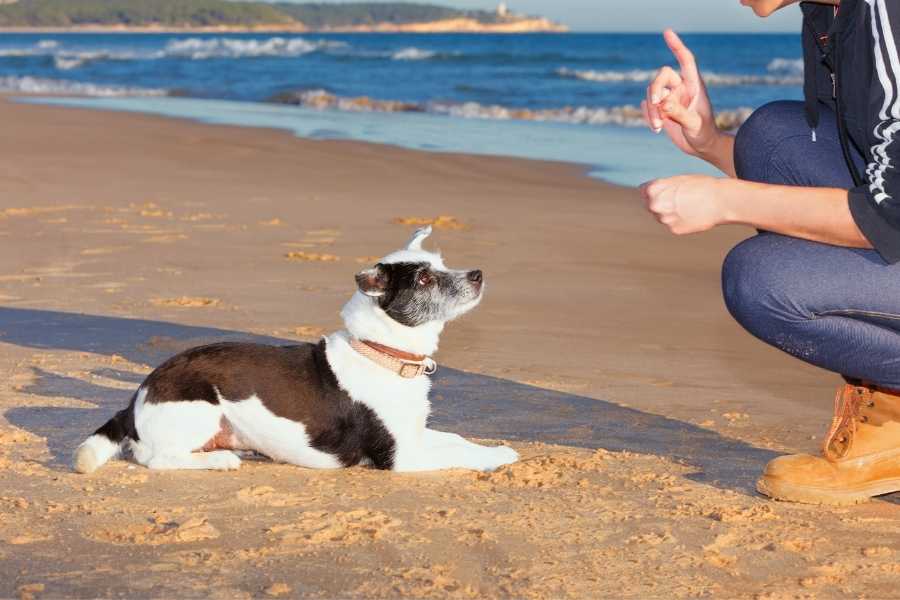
(689, 119)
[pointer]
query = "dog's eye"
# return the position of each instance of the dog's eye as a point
(425, 279)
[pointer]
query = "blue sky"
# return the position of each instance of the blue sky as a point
(646, 15)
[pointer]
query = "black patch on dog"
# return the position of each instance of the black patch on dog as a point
(121, 426)
(294, 382)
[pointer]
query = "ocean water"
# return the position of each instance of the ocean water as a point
(569, 97)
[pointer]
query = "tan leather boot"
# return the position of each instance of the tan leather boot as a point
(861, 454)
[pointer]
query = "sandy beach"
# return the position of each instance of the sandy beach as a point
(602, 352)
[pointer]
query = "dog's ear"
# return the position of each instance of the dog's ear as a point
(418, 237)
(373, 282)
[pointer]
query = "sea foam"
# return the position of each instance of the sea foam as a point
(37, 85)
(413, 54)
(626, 115)
(711, 78)
(205, 48)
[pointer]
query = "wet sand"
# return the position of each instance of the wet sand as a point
(602, 351)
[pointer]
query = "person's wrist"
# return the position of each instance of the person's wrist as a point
(725, 198)
(710, 145)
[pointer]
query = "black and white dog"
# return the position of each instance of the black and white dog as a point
(358, 396)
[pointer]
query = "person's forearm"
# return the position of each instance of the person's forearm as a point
(721, 154)
(818, 214)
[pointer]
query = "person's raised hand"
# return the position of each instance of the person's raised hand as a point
(677, 103)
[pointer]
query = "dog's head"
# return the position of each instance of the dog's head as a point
(405, 300)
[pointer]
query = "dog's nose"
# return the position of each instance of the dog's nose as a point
(475, 276)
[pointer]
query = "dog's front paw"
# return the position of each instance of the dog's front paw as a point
(499, 456)
(223, 461)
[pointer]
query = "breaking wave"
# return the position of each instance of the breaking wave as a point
(413, 54)
(37, 85)
(645, 76)
(191, 49)
(66, 61)
(792, 66)
(627, 115)
(205, 48)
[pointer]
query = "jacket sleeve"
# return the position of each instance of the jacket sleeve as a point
(875, 205)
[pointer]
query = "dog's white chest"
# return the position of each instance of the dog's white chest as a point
(401, 404)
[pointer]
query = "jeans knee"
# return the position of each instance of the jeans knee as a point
(755, 289)
(758, 136)
(737, 290)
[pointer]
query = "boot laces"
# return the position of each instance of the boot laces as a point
(849, 404)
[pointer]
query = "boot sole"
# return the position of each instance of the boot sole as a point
(779, 489)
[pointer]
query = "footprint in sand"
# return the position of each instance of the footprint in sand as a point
(311, 257)
(8, 503)
(156, 532)
(432, 581)
(545, 471)
(322, 527)
(186, 302)
(439, 222)
(28, 590)
(742, 514)
(264, 495)
(472, 536)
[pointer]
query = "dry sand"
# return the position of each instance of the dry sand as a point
(602, 351)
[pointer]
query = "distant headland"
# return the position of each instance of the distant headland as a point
(240, 16)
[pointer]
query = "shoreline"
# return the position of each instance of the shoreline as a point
(609, 145)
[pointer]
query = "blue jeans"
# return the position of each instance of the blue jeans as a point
(834, 307)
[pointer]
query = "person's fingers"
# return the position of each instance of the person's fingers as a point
(645, 194)
(651, 188)
(654, 118)
(668, 219)
(661, 206)
(683, 55)
(646, 112)
(665, 81)
(689, 119)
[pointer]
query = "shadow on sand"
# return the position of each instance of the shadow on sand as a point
(474, 405)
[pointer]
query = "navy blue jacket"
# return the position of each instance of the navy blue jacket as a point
(851, 62)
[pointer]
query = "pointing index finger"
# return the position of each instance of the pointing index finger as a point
(684, 56)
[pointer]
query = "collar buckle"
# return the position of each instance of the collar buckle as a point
(410, 370)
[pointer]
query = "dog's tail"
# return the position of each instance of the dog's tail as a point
(95, 451)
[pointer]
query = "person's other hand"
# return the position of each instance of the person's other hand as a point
(677, 102)
(686, 203)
